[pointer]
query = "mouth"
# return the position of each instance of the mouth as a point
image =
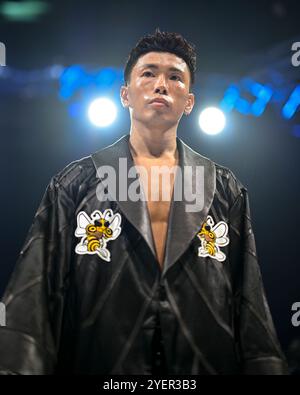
(159, 103)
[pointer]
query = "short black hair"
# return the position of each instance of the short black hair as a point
(162, 42)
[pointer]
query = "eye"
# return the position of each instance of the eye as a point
(106, 224)
(176, 76)
(147, 72)
(207, 227)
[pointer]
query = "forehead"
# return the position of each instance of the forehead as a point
(163, 60)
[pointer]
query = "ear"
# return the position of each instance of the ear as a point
(190, 104)
(124, 96)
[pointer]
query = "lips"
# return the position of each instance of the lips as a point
(161, 101)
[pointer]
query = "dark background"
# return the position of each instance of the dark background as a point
(233, 39)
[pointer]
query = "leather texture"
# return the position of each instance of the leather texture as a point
(79, 314)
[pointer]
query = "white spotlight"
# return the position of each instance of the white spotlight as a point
(212, 120)
(102, 112)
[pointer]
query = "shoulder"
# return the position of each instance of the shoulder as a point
(80, 176)
(228, 181)
(75, 171)
(75, 176)
(227, 185)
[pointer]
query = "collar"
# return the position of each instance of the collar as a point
(186, 216)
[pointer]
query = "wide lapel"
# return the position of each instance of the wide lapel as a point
(135, 211)
(183, 224)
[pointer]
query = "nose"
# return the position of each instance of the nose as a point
(160, 85)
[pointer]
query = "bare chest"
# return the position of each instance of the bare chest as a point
(157, 179)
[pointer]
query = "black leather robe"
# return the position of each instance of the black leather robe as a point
(70, 312)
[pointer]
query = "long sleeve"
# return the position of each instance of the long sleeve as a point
(257, 342)
(34, 298)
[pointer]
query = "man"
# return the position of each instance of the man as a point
(113, 281)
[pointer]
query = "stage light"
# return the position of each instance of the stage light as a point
(228, 102)
(71, 80)
(233, 99)
(102, 112)
(291, 106)
(105, 78)
(24, 11)
(212, 120)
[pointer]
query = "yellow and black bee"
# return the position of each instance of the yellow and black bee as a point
(212, 237)
(96, 232)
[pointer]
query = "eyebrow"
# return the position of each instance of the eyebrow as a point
(154, 66)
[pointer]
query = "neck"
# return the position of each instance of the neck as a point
(153, 143)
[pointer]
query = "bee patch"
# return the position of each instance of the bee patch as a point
(96, 231)
(213, 236)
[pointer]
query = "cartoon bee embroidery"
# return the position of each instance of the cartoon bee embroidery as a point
(212, 238)
(96, 231)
